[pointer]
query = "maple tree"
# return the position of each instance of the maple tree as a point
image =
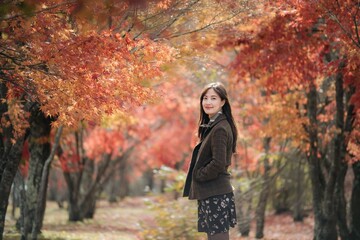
(270, 130)
(67, 74)
(89, 158)
(296, 51)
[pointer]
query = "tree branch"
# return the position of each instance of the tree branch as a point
(72, 2)
(346, 32)
(206, 26)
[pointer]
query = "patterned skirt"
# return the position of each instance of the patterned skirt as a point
(216, 214)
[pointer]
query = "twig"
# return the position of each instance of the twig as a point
(40, 11)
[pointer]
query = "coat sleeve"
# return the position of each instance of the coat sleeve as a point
(217, 163)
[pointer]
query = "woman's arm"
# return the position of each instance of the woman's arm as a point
(217, 164)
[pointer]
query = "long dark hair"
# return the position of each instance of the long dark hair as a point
(226, 109)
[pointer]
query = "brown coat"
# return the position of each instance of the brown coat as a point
(208, 172)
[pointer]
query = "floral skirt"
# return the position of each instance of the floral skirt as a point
(216, 214)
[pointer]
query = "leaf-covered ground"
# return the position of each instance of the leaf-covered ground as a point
(124, 221)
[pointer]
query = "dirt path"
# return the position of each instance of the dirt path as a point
(120, 221)
(123, 221)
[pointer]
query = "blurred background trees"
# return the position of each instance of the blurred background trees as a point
(123, 78)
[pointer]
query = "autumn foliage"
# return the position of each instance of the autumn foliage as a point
(124, 77)
(73, 75)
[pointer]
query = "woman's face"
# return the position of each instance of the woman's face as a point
(212, 103)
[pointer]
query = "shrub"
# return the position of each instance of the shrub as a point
(174, 219)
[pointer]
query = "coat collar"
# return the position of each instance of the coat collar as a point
(207, 127)
(215, 119)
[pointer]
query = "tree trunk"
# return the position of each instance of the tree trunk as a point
(314, 163)
(113, 189)
(12, 161)
(298, 214)
(10, 156)
(354, 228)
(74, 181)
(74, 209)
(5, 133)
(124, 182)
(244, 206)
(17, 188)
(355, 203)
(83, 190)
(89, 206)
(339, 156)
(41, 202)
(20, 185)
(280, 195)
(341, 204)
(261, 207)
(39, 147)
(88, 182)
(323, 192)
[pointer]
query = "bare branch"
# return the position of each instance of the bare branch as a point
(72, 2)
(347, 33)
(206, 26)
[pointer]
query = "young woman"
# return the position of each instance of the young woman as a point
(208, 179)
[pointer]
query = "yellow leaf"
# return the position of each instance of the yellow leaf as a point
(4, 36)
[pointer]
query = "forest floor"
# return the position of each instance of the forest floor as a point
(125, 220)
